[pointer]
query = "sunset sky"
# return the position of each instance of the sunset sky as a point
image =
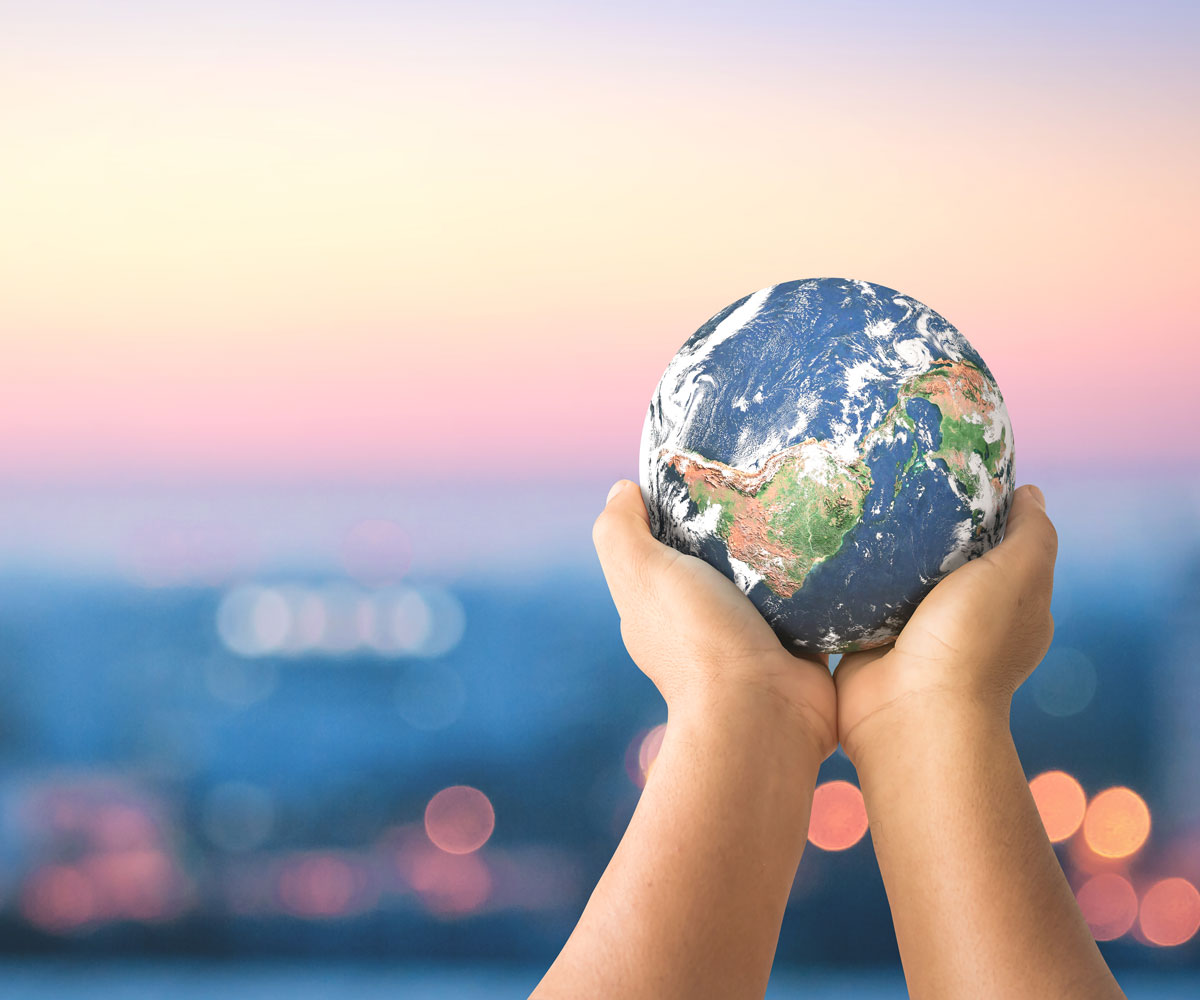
(342, 242)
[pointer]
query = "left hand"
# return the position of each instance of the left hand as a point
(971, 642)
(693, 632)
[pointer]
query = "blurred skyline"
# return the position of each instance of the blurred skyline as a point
(374, 244)
(326, 765)
(1131, 527)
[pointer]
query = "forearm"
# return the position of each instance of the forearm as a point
(692, 901)
(980, 904)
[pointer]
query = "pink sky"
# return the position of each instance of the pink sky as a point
(363, 251)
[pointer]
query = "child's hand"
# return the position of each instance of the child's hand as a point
(695, 634)
(973, 640)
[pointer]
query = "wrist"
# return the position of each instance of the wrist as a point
(746, 713)
(932, 721)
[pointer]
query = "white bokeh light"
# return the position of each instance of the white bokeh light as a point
(340, 618)
(449, 623)
(409, 621)
(253, 620)
(308, 619)
(342, 632)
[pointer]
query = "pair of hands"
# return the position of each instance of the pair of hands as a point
(974, 638)
(692, 903)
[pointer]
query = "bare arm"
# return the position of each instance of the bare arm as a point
(692, 901)
(980, 904)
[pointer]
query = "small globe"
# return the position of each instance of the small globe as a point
(833, 447)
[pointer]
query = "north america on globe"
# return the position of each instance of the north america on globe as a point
(833, 447)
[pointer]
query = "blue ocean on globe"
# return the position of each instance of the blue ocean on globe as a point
(833, 447)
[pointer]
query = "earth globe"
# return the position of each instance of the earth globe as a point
(833, 447)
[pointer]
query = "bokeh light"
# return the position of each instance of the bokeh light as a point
(447, 623)
(839, 816)
(338, 618)
(139, 884)
(648, 750)
(59, 898)
(110, 856)
(319, 885)
(1064, 682)
(1109, 905)
(309, 619)
(120, 826)
(344, 623)
(1117, 823)
(253, 620)
(449, 884)
(1060, 802)
(459, 819)
(1086, 861)
(405, 621)
(1170, 913)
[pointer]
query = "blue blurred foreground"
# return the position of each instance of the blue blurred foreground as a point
(310, 762)
(261, 981)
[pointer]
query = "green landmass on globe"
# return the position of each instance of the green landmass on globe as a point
(794, 512)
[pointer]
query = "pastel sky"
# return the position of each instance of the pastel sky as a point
(343, 242)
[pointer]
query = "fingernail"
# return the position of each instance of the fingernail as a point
(616, 488)
(1038, 495)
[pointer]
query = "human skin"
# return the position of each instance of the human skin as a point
(691, 903)
(980, 904)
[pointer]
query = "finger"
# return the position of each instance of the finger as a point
(629, 553)
(1030, 542)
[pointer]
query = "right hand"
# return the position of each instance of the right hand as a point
(973, 639)
(698, 637)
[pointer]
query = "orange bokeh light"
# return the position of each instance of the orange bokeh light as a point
(1088, 862)
(839, 816)
(1109, 905)
(1170, 912)
(459, 819)
(1117, 823)
(1060, 802)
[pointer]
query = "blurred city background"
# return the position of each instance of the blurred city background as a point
(326, 329)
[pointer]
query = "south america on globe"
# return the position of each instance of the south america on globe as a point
(833, 447)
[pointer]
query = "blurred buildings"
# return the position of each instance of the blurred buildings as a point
(367, 759)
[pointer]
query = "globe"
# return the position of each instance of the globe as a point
(833, 447)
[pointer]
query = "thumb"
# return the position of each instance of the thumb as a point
(1030, 543)
(629, 554)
